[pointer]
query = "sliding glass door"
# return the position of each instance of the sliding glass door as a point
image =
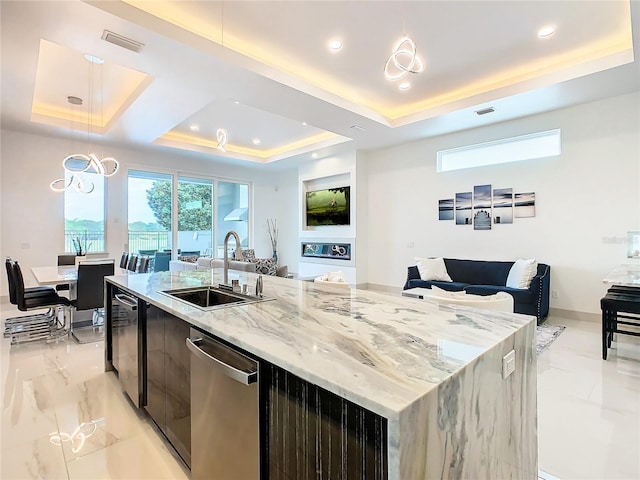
(150, 212)
(189, 216)
(195, 217)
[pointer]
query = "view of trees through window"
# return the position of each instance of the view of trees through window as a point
(150, 201)
(147, 232)
(84, 217)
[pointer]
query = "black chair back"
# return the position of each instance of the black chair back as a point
(144, 265)
(66, 259)
(124, 259)
(90, 286)
(8, 263)
(18, 286)
(133, 263)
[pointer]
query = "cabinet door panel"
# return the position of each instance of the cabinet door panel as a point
(156, 390)
(312, 433)
(178, 386)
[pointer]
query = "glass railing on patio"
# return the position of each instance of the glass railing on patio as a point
(147, 241)
(90, 240)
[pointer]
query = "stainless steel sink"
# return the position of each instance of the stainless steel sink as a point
(209, 297)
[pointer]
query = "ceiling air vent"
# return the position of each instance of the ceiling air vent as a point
(485, 111)
(121, 41)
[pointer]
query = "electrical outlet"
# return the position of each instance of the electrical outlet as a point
(411, 244)
(25, 246)
(555, 294)
(508, 364)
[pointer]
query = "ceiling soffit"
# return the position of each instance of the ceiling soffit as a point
(278, 48)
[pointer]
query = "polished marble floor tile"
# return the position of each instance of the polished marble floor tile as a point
(63, 417)
(588, 408)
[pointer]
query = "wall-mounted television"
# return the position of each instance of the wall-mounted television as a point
(330, 206)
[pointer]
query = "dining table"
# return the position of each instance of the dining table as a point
(56, 275)
(81, 325)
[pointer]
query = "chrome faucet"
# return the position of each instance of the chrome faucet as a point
(226, 254)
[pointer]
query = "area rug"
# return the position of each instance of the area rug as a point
(546, 335)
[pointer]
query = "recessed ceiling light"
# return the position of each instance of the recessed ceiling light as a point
(256, 141)
(335, 45)
(404, 86)
(236, 102)
(194, 128)
(304, 123)
(546, 31)
(94, 59)
(314, 155)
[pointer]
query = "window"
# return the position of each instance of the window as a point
(84, 216)
(149, 207)
(514, 149)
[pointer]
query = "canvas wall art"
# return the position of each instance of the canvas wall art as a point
(482, 207)
(524, 205)
(463, 208)
(445, 209)
(503, 205)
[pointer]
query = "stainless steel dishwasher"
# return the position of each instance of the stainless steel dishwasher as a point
(225, 440)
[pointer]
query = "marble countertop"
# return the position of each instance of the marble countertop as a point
(626, 274)
(380, 351)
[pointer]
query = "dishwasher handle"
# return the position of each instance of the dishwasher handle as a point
(246, 378)
(126, 300)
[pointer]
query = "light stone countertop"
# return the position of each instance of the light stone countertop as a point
(380, 351)
(626, 274)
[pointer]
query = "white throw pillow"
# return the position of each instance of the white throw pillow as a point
(521, 273)
(335, 276)
(441, 292)
(432, 269)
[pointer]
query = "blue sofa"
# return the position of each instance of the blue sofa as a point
(481, 277)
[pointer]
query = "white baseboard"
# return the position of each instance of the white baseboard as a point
(379, 288)
(574, 315)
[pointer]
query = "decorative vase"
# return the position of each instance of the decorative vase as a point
(275, 256)
(80, 258)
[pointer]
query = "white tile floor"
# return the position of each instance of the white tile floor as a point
(63, 417)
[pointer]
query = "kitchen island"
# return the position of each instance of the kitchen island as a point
(420, 386)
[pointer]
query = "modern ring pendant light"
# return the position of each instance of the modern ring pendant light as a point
(221, 135)
(403, 60)
(78, 163)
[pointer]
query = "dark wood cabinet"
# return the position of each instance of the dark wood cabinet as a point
(310, 433)
(168, 379)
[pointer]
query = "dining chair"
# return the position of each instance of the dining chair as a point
(124, 259)
(161, 261)
(144, 265)
(16, 323)
(133, 263)
(65, 259)
(47, 326)
(90, 296)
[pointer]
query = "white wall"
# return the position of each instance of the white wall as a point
(32, 225)
(589, 192)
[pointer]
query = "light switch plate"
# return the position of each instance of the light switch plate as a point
(508, 364)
